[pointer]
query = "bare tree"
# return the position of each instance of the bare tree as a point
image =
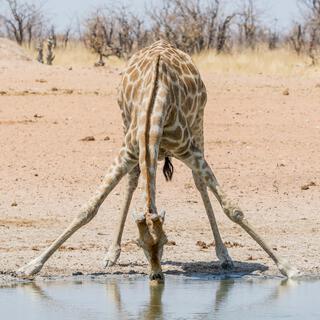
(114, 32)
(222, 33)
(100, 36)
(2, 26)
(95, 35)
(248, 24)
(273, 39)
(50, 47)
(297, 38)
(212, 23)
(53, 37)
(273, 36)
(66, 36)
(192, 25)
(22, 20)
(164, 20)
(140, 34)
(40, 52)
(125, 32)
(312, 27)
(313, 49)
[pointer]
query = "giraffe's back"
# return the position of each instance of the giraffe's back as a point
(179, 85)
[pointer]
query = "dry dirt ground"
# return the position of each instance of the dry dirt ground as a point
(261, 139)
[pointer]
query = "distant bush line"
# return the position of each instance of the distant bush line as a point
(191, 25)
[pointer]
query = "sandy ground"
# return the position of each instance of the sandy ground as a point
(263, 145)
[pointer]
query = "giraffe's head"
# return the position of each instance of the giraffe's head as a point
(152, 238)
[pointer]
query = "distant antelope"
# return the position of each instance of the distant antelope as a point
(162, 100)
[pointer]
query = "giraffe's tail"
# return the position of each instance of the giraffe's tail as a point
(151, 117)
(153, 128)
(168, 169)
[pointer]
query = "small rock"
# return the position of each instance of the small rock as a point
(77, 273)
(106, 138)
(308, 185)
(68, 91)
(70, 68)
(286, 92)
(88, 138)
(54, 89)
(201, 244)
(14, 204)
(232, 244)
(37, 116)
(2, 93)
(171, 243)
(204, 245)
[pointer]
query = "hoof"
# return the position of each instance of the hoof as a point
(156, 278)
(111, 257)
(287, 270)
(227, 265)
(31, 269)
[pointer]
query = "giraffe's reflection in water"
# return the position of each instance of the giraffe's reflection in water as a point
(180, 298)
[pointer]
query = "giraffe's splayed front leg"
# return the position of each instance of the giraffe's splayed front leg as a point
(152, 239)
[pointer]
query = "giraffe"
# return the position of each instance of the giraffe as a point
(162, 100)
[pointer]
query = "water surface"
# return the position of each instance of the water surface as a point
(179, 298)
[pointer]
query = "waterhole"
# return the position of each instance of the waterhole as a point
(178, 298)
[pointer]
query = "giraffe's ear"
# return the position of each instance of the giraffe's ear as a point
(162, 215)
(138, 217)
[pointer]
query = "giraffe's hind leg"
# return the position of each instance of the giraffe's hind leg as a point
(195, 160)
(221, 250)
(122, 164)
(115, 249)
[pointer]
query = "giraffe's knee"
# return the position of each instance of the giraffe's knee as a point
(133, 184)
(198, 183)
(235, 214)
(133, 180)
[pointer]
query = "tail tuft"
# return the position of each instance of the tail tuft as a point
(168, 169)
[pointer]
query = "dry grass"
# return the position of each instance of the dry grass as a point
(261, 61)
(76, 54)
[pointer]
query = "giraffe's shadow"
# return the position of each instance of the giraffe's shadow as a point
(195, 268)
(212, 268)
